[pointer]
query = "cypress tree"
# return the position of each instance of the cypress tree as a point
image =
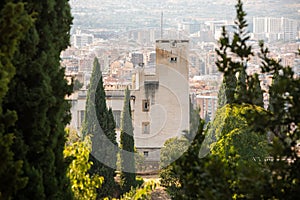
(37, 94)
(90, 119)
(99, 122)
(111, 128)
(14, 23)
(127, 146)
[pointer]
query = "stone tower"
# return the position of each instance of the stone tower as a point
(161, 109)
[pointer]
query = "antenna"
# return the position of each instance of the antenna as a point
(161, 25)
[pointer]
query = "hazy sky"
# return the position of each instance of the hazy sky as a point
(107, 13)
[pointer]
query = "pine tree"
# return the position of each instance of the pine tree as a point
(37, 94)
(100, 124)
(284, 125)
(241, 87)
(255, 92)
(127, 146)
(221, 95)
(235, 62)
(227, 90)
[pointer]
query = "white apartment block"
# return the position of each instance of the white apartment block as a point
(274, 29)
(81, 39)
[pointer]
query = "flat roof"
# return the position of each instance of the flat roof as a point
(168, 41)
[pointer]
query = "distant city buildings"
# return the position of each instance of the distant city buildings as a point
(159, 101)
(138, 58)
(275, 29)
(81, 39)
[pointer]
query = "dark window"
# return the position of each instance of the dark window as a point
(173, 59)
(146, 153)
(146, 105)
(173, 44)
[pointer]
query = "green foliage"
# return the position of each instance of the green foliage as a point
(14, 23)
(37, 94)
(241, 87)
(90, 119)
(241, 148)
(173, 148)
(227, 90)
(255, 92)
(139, 159)
(242, 165)
(186, 178)
(169, 178)
(100, 124)
(127, 147)
(233, 56)
(84, 186)
(72, 135)
(139, 181)
(77, 85)
(142, 192)
(228, 171)
(284, 126)
(171, 151)
(232, 120)
(229, 85)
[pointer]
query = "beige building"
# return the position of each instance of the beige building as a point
(159, 101)
(162, 99)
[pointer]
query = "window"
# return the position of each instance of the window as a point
(117, 117)
(146, 105)
(173, 44)
(146, 153)
(173, 59)
(146, 127)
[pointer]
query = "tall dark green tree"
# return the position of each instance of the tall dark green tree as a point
(14, 23)
(100, 124)
(127, 146)
(284, 126)
(37, 94)
(241, 86)
(255, 92)
(90, 117)
(227, 90)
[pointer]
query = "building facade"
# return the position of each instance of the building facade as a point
(159, 101)
(161, 109)
(274, 29)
